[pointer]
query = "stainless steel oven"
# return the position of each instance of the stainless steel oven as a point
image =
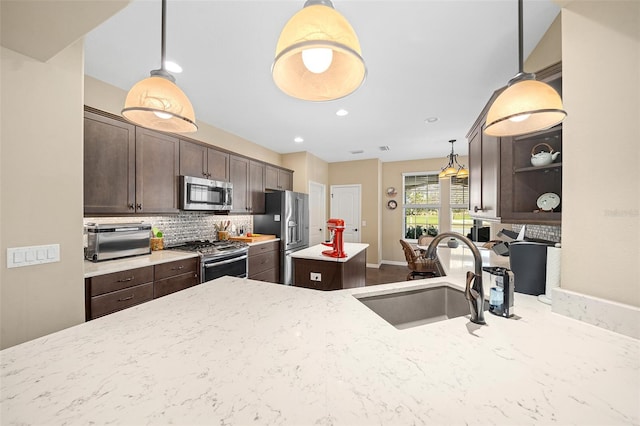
(233, 265)
(219, 258)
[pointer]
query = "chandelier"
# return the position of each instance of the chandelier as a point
(453, 168)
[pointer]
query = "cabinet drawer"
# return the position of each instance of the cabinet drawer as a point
(107, 283)
(121, 299)
(173, 284)
(264, 247)
(179, 267)
(262, 262)
(270, 275)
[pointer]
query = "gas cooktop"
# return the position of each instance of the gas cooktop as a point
(212, 248)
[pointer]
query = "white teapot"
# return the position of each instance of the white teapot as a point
(543, 158)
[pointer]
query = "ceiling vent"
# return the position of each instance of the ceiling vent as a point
(359, 151)
(384, 148)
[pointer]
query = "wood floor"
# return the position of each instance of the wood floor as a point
(386, 274)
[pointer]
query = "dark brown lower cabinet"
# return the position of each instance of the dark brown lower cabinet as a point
(175, 276)
(264, 262)
(333, 275)
(118, 300)
(108, 293)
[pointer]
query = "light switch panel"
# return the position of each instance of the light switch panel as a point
(32, 255)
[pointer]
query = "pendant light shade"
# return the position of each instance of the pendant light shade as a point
(526, 105)
(157, 102)
(318, 56)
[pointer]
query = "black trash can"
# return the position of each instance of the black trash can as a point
(528, 261)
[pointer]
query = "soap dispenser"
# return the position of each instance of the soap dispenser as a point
(501, 292)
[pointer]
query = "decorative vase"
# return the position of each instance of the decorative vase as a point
(452, 243)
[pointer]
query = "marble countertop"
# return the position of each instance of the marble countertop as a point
(92, 269)
(315, 252)
(236, 351)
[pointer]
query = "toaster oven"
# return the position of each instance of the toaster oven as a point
(114, 240)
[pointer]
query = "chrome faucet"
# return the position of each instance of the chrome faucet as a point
(474, 292)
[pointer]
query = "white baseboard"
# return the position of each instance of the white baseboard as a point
(613, 316)
(393, 262)
(373, 265)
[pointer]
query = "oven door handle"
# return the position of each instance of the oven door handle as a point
(224, 262)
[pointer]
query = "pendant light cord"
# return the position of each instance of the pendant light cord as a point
(520, 38)
(521, 75)
(162, 72)
(163, 37)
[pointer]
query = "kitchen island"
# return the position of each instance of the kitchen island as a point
(236, 351)
(312, 269)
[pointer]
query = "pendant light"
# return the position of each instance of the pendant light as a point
(157, 102)
(318, 56)
(526, 105)
(450, 169)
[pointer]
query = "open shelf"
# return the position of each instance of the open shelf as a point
(552, 166)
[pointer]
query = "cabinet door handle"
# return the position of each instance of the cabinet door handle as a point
(138, 206)
(131, 207)
(126, 280)
(124, 299)
(178, 268)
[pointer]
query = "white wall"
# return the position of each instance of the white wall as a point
(601, 149)
(41, 191)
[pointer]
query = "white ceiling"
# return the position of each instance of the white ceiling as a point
(425, 58)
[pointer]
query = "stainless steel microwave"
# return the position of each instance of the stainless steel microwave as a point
(204, 194)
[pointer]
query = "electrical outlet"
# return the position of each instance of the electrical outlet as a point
(316, 276)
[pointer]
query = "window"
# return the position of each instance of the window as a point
(459, 195)
(421, 208)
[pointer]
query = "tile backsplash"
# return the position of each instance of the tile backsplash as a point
(543, 232)
(184, 226)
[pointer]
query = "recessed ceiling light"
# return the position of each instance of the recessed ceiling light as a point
(359, 151)
(384, 148)
(431, 119)
(172, 67)
(342, 112)
(298, 139)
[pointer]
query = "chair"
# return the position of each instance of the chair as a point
(419, 266)
(424, 240)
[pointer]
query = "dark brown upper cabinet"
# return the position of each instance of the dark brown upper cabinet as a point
(278, 179)
(247, 177)
(202, 161)
(503, 184)
(128, 169)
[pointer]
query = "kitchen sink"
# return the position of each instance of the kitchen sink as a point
(410, 308)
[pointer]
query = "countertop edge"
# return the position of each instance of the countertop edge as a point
(315, 252)
(93, 269)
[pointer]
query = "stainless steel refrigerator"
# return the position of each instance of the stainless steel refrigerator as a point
(287, 216)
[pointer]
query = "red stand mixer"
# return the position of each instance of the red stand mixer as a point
(336, 228)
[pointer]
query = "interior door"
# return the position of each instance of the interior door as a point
(345, 205)
(317, 213)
